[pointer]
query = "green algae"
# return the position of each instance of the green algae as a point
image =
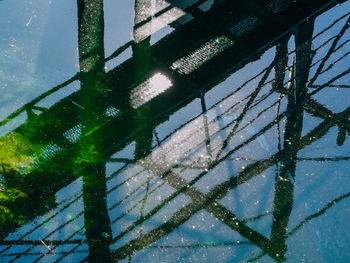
(12, 204)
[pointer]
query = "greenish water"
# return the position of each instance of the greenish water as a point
(174, 131)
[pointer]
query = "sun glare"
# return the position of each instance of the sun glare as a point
(149, 89)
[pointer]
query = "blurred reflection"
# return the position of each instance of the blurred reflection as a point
(209, 144)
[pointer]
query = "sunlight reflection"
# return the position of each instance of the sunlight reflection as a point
(149, 89)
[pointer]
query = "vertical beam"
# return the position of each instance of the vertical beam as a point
(90, 35)
(142, 58)
(141, 46)
(206, 124)
(281, 63)
(143, 12)
(96, 218)
(284, 181)
(89, 155)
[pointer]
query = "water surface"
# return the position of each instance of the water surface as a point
(174, 131)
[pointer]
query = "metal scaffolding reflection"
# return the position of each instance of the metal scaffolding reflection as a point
(116, 210)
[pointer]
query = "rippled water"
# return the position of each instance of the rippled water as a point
(174, 131)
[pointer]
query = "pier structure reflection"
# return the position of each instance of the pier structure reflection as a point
(145, 165)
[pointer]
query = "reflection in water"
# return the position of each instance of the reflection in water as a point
(149, 89)
(149, 19)
(201, 55)
(224, 140)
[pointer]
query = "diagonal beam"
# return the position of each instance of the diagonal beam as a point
(218, 192)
